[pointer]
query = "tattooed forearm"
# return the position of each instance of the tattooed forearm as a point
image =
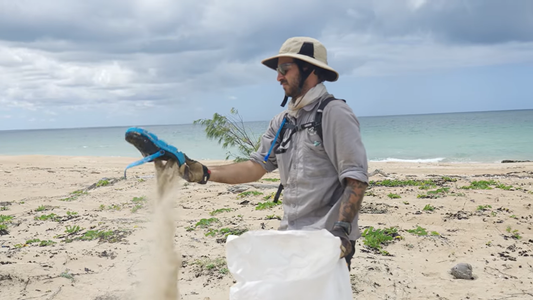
(351, 200)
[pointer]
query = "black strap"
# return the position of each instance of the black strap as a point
(317, 123)
(318, 115)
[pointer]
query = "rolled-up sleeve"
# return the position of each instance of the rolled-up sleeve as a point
(266, 141)
(343, 142)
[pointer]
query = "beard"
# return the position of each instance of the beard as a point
(292, 88)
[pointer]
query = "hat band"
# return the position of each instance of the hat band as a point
(307, 49)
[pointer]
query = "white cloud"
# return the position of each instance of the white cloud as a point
(134, 55)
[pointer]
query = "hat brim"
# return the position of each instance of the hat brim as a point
(330, 73)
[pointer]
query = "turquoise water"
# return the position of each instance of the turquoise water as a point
(455, 137)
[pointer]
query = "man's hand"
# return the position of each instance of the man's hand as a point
(193, 171)
(346, 245)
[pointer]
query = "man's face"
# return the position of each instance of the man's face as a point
(291, 79)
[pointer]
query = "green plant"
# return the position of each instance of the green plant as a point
(4, 208)
(514, 217)
(503, 186)
(406, 202)
(138, 200)
(448, 179)
(208, 264)
(73, 229)
(101, 207)
(52, 217)
(429, 207)
(266, 205)
(483, 207)
(226, 231)
(72, 213)
(204, 223)
(46, 243)
(32, 241)
(231, 132)
(220, 210)
(458, 194)
(420, 231)
(493, 213)
(271, 179)
(515, 235)
(41, 208)
(393, 196)
(272, 217)
(102, 182)
(248, 193)
(376, 238)
(439, 191)
(5, 219)
(480, 185)
(370, 194)
(136, 208)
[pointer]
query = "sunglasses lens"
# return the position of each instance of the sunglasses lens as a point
(283, 68)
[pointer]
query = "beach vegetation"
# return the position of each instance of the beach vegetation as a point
(504, 187)
(101, 207)
(271, 179)
(443, 190)
(393, 196)
(4, 208)
(448, 179)
(102, 182)
(73, 229)
(514, 233)
(403, 183)
(513, 216)
(428, 207)
(135, 208)
(47, 243)
(110, 236)
(480, 185)
(421, 231)
(493, 213)
(229, 131)
(266, 205)
(50, 217)
(204, 223)
(458, 194)
(406, 202)
(217, 265)
(272, 217)
(483, 207)
(377, 238)
(29, 242)
(248, 193)
(424, 196)
(137, 200)
(269, 196)
(4, 221)
(219, 211)
(370, 194)
(41, 208)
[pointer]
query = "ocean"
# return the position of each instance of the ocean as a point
(471, 137)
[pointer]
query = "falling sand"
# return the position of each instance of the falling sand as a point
(160, 278)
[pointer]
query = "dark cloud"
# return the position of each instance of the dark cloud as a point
(95, 52)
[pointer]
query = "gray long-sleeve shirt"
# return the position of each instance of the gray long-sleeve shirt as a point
(313, 171)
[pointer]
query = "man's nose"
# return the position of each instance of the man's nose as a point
(280, 77)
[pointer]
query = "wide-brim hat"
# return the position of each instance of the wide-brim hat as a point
(307, 49)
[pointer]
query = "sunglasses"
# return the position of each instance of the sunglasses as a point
(283, 68)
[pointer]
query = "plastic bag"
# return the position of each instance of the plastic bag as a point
(287, 265)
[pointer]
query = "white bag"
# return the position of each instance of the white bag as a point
(292, 264)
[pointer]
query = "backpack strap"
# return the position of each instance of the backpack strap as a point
(317, 123)
(318, 116)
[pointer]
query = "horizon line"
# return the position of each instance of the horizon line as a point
(156, 125)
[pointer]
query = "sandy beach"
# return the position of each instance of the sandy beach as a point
(73, 228)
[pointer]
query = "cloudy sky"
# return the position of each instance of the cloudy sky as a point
(66, 63)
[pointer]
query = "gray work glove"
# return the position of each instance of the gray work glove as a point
(193, 171)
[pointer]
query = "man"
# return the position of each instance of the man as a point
(324, 180)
